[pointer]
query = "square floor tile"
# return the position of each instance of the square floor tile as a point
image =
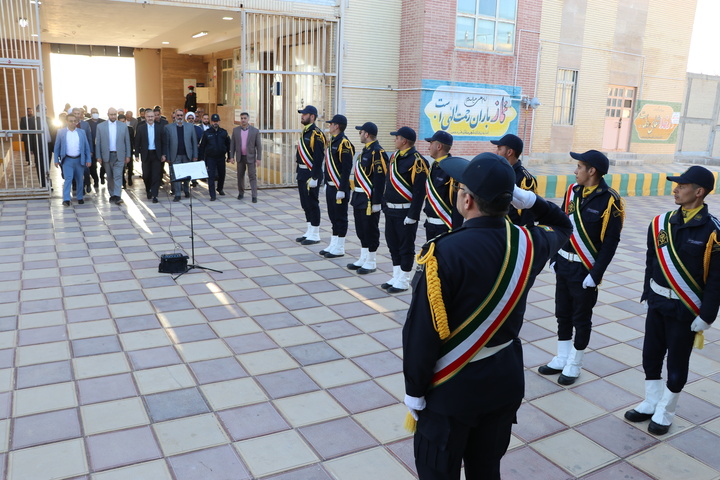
(252, 421)
(617, 435)
(309, 408)
(175, 404)
(525, 463)
(312, 353)
(56, 460)
(203, 350)
(113, 415)
(361, 397)
(266, 361)
(606, 395)
(219, 463)
(336, 373)
(188, 434)
(191, 333)
(45, 428)
(373, 463)
(115, 449)
(286, 383)
(145, 339)
(385, 424)
(664, 462)
(99, 365)
(45, 353)
(162, 379)
(337, 437)
(700, 444)
(233, 393)
(43, 374)
(253, 342)
(209, 371)
(287, 337)
(154, 470)
(379, 364)
(568, 407)
(44, 399)
(95, 346)
(356, 345)
(275, 453)
(102, 389)
(154, 357)
(311, 472)
(618, 470)
(533, 423)
(336, 329)
(574, 452)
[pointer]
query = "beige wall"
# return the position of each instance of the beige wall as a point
(147, 77)
(699, 130)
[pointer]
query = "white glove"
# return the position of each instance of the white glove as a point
(522, 199)
(414, 404)
(552, 267)
(409, 221)
(589, 282)
(698, 325)
(339, 195)
(645, 304)
(312, 183)
(324, 188)
(376, 208)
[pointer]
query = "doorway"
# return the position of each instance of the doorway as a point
(618, 118)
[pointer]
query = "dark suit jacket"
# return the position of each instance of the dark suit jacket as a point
(254, 144)
(170, 141)
(141, 139)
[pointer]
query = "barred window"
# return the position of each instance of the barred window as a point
(565, 90)
(486, 25)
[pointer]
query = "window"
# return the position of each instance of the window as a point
(487, 25)
(565, 97)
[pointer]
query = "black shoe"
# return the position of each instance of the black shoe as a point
(81, 202)
(635, 416)
(155, 200)
(102, 181)
(129, 182)
(97, 186)
(332, 255)
(352, 266)
(213, 199)
(365, 271)
(545, 370)
(176, 199)
(118, 201)
(187, 194)
(565, 380)
(309, 242)
(322, 253)
(657, 429)
(66, 203)
(112, 198)
(88, 189)
(386, 285)
(300, 239)
(254, 200)
(396, 290)
(149, 195)
(240, 196)
(220, 192)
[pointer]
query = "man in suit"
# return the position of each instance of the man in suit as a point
(129, 167)
(112, 149)
(246, 149)
(149, 142)
(180, 145)
(85, 127)
(72, 153)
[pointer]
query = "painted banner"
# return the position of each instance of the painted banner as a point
(469, 111)
(656, 122)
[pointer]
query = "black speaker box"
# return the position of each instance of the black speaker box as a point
(173, 263)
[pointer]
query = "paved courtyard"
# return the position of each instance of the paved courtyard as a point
(286, 365)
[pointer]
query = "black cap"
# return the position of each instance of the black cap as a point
(309, 109)
(339, 119)
(594, 159)
(487, 175)
(698, 175)
(510, 141)
(369, 127)
(405, 132)
(215, 117)
(441, 136)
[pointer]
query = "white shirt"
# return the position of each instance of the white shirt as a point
(151, 136)
(72, 149)
(112, 136)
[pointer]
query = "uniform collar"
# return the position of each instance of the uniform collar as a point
(601, 188)
(367, 145)
(438, 160)
(700, 218)
(404, 152)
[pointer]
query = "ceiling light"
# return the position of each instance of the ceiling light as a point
(23, 22)
(166, 43)
(34, 35)
(227, 18)
(199, 34)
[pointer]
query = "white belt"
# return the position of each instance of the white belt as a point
(302, 166)
(435, 221)
(358, 190)
(570, 257)
(662, 291)
(489, 351)
(402, 206)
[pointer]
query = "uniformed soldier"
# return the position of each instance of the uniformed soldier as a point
(462, 358)
(309, 158)
(338, 164)
(402, 202)
(510, 147)
(597, 213)
(214, 148)
(682, 291)
(369, 177)
(442, 215)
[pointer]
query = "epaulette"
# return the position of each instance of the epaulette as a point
(529, 182)
(618, 203)
(420, 166)
(380, 162)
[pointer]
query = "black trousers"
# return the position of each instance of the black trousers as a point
(309, 199)
(215, 166)
(432, 230)
(400, 238)
(667, 330)
(367, 228)
(573, 304)
(221, 169)
(442, 443)
(338, 212)
(152, 169)
(91, 172)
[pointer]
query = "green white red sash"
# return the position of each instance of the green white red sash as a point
(305, 155)
(677, 276)
(331, 168)
(579, 239)
(441, 209)
(398, 182)
(466, 341)
(362, 178)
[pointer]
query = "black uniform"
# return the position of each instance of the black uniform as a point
(214, 148)
(469, 417)
(526, 181)
(400, 238)
(602, 214)
(446, 189)
(373, 161)
(314, 141)
(341, 153)
(667, 325)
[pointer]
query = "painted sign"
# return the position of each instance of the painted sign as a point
(469, 111)
(656, 122)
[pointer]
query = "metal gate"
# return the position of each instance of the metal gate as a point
(24, 127)
(286, 63)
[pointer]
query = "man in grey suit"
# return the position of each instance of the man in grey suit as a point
(246, 148)
(112, 148)
(180, 144)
